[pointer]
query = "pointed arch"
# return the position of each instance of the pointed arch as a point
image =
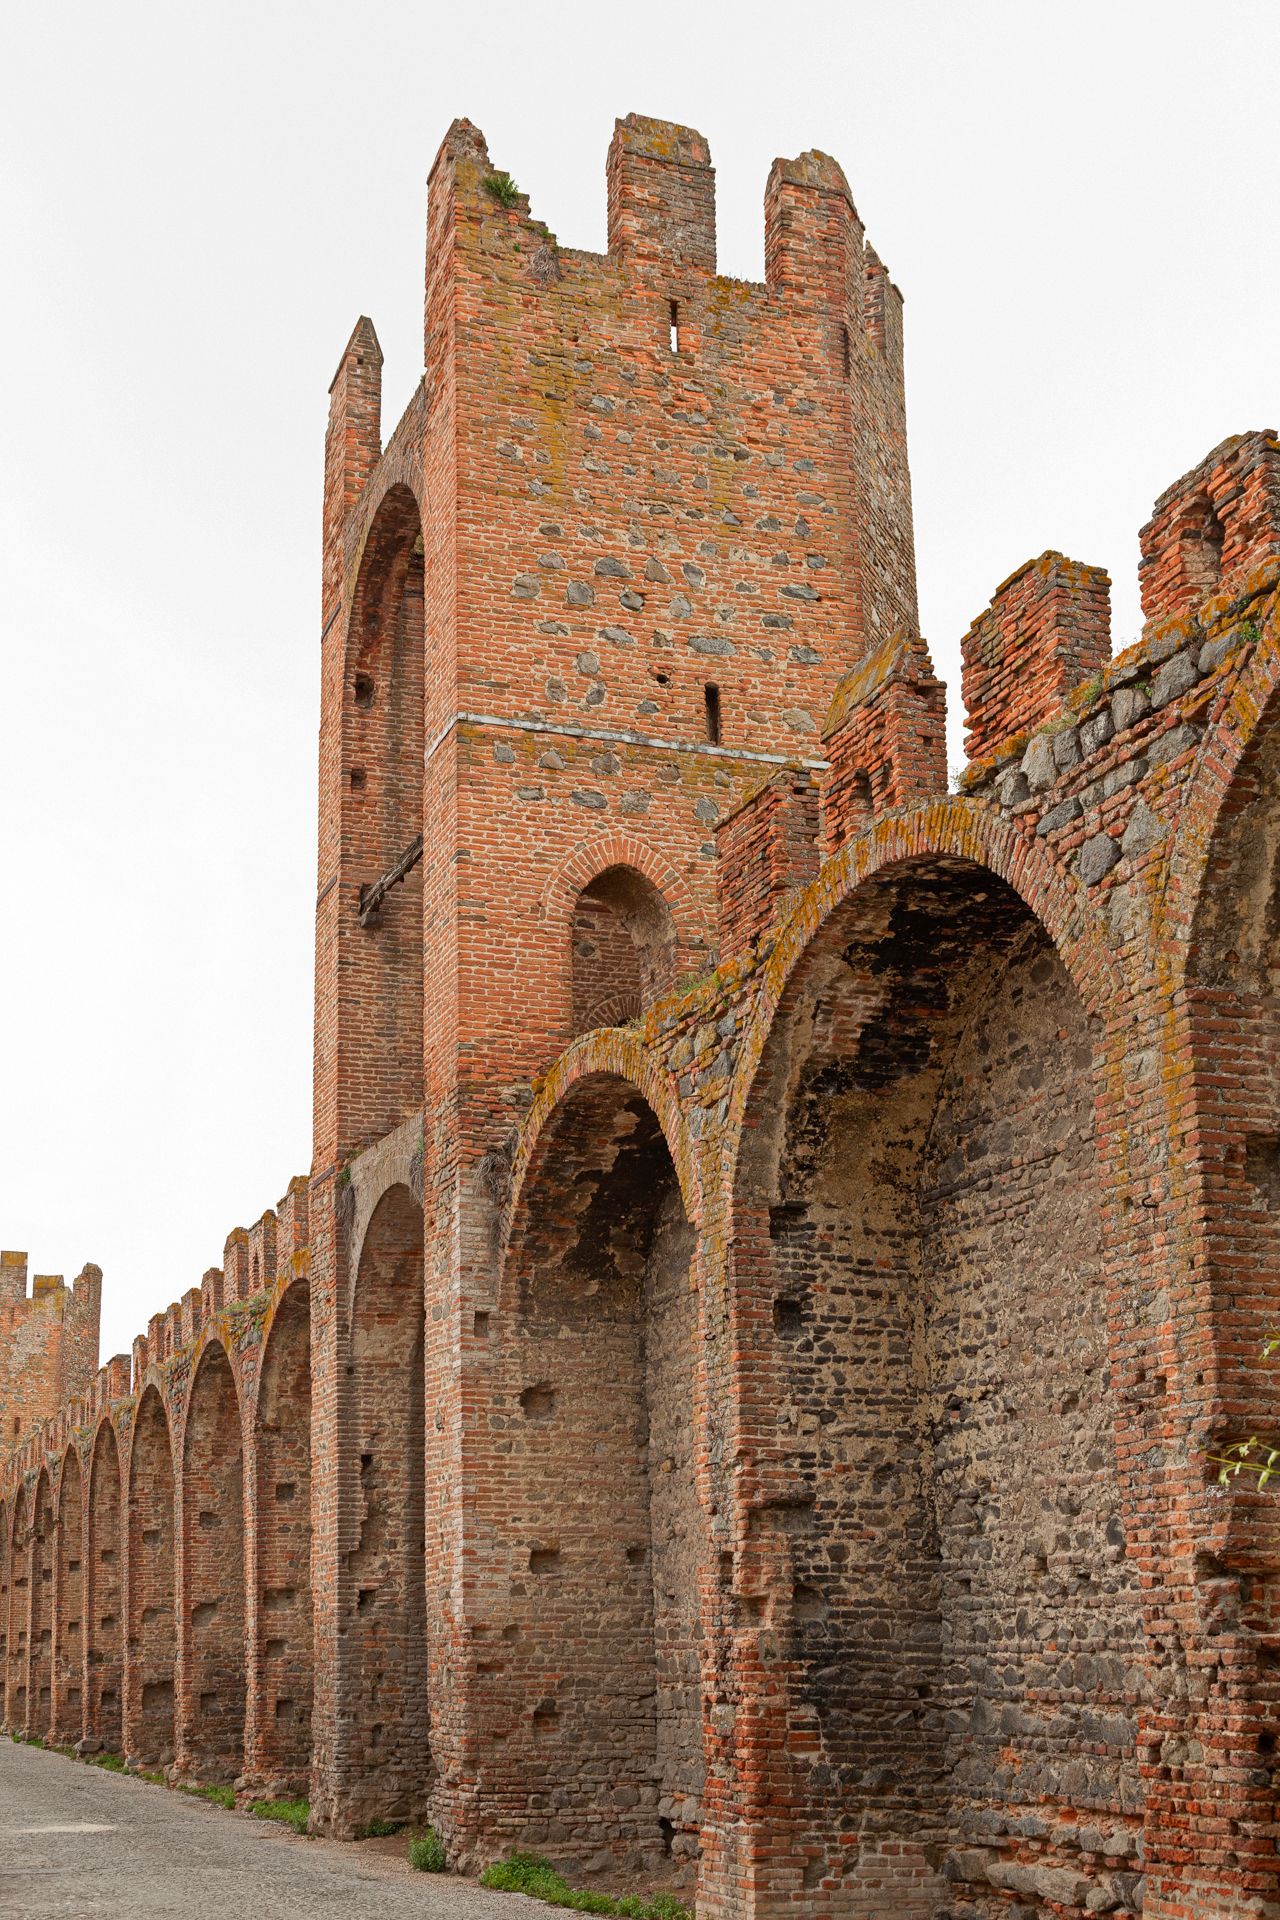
(43, 1567)
(383, 738)
(599, 1543)
(19, 1613)
(914, 1172)
(104, 1593)
(283, 1456)
(384, 1566)
(69, 1637)
(151, 1627)
(211, 1736)
(6, 1583)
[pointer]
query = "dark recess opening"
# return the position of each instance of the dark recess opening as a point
(711, 704)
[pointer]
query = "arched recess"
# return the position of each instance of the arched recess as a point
(6, 1583)
(104, 1598)
(19, 1614)
(213, 1588)
(151, 1638)
(284, 1544)
(595, 1705)
(385, 1628)
(623, 949)
(43, 1556)
(920, 1307)
(68, 1702)
(381, 809)
(1232, 1006)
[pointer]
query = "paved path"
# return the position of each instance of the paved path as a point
(82, 1844)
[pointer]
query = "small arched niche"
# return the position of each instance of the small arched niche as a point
(1203, 537)
(623, 947)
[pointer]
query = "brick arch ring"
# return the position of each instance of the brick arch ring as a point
(964, 830)
(590, 858)
(614, 1052)
(1245, 711)
(400, 472)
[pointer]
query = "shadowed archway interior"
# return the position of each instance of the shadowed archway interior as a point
(917, 1206)
(595, 1581)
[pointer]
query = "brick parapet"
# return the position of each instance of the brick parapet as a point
(1211, 528)
(885, 740)
(766, 848)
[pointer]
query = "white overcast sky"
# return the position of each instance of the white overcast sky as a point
(1080, 202)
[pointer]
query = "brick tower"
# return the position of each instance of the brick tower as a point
(48, 1344)
(601, 581)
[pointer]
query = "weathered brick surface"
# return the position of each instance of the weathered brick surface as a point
(733, 1398)
(48, 1343)
(1046, 632)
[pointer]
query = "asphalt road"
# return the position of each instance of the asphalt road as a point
(82, 1844)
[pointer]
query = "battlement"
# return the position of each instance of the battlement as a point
(1047, 630)
(48, 1343)
(254, 1259)
(49, 1340)
(1046, 634)
(1212, 527)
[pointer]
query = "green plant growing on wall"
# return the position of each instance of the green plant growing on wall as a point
(1258, 1457)
(426, 1852)
(502, 188)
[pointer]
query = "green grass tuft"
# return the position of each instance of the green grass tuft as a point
(291, 1813)
(152, 1779)
(502, 188)
(219, 1796)
(426, 1852)
(380, 1829)
(525, 1873)
(109, 1762)
(530, 1873)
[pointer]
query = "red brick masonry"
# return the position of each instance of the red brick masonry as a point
(732, 1397)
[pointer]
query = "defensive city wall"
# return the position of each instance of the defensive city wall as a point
(737, 1394)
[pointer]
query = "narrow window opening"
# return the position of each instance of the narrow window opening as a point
(673, 316)
(358, 779)
(711, 707)
(846, 354)
(364, 689)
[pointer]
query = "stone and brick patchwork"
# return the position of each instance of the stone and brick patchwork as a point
(734, 1400)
